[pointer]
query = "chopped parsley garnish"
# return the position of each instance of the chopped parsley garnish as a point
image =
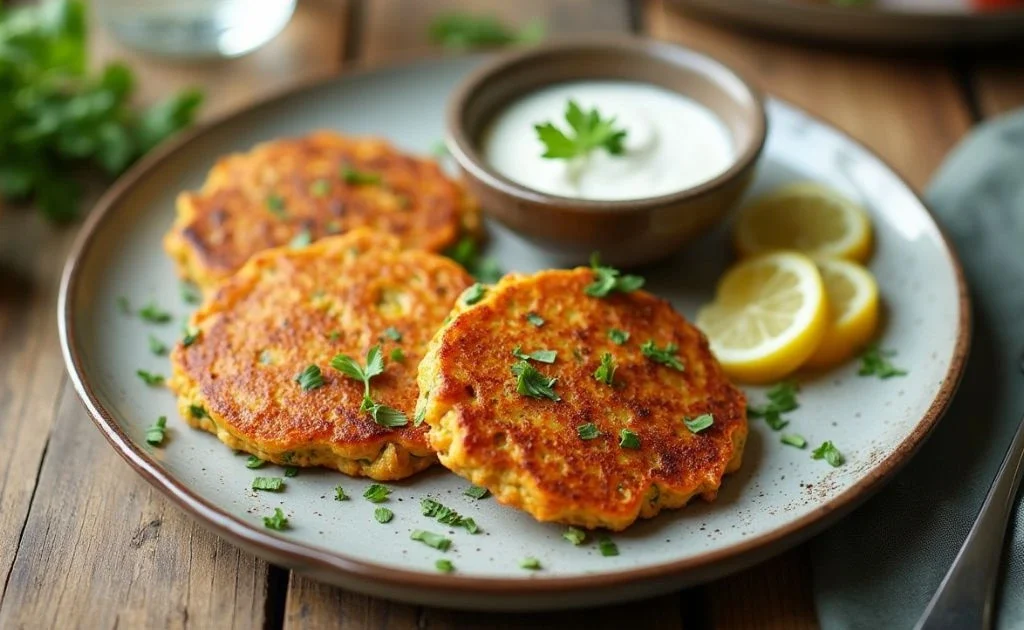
(608, 280)
(476, 492)
(531, 564)
(875, 362)
(191, 336)
(701, 422)
(156, 433)
(828, 452)
(483, 268)
(588, 132)
(278, 521)
(397, 355)
(377, 493)
(446, 515)
(291, 471)
(334, 335)
(628, 439)
(150, 378)
(605, 372)
(781, 398)
(474, 294)
(275, 203)
(664, 356)
(254, 462)
(190, 293)
(381, 414)
(459, 31)
(156, 346)
(542, 356)
(198, 412)
(300, 240)
(124, 305)
(359, 178)
(154, 314)
(383, 515)
(530, 382)
(575, 535)
(444, 565)
(320, 188)
(393, 333)
(617, 336)
(339, 494)
(431, 539)
(310, 378)
(607, 547)
(588, 431)
(535, 319)
(792, 439)
(270, 484)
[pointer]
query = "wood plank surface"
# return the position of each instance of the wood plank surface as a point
(84, 542)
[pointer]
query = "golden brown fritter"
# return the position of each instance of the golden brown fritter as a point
(318, 185)
(529, 451)
(287, 309)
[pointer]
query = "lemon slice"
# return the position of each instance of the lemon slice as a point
(853, 311)
(806, 217)
(769, 315)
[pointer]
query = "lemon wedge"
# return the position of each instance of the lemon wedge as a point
(806, 217)
(853, 311)
(769, 315)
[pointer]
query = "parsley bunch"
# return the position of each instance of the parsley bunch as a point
(56, 117)
(381, 414)
(588, 132)
(459, 31)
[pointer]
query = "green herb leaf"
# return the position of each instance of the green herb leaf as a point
(608, 280)
(359, 178)
(588, 431)
(198, 412)
(254, 462)
(530, 382)
(531, 564)
(875, 362)
(320, 188)
(542, 356)
(605, 373)
(393, 333)
(310, 378)
(476, 492)
(387, 416)
(156, 346)
(781, 398)
(607, 547)
(291, 471)
(383, 515)
(618, 337)
(431, 539)
(535, 319)
(191, 336)
(575, 535)
(459, 31)
(190, 293)
(301, 240)
(474, 294)
(349, 367)
(154, 314)
(270, 484)
(628, 439)
(377, 493)
(664, 356)
(150, 378)
(278, 521)
(792, 439)
(397, 355)
(444, 565)
(467, 254)
(339, 494)
(275, 204)
(701, 422)
(446, 515)
(829, 453)
(156, 433)
(588, 131)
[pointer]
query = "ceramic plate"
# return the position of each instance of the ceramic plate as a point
(889, 22)
(779, 497)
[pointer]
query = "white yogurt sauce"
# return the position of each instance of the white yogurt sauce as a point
(672, 142)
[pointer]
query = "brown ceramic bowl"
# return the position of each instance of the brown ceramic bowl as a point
(627, 232)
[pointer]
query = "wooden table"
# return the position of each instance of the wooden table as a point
(84, 542)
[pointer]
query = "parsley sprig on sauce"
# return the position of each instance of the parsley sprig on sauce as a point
(381, 414)
(588, 131)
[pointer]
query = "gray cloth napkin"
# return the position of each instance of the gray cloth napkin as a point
(879, 567)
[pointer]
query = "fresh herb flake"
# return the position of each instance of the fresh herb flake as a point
(446, 515)
(155, 434)
(291, 471)
(301, 240)
(535, 319)
(664, 356)
(607, 547)
(310, 378)
(397, 355)
(149, 378)
(588, 431)
(541, 356)
(254, 462)
(277, 522)
(154, 314)
(383, 515)
(431, 539)
(269, 484)
(460, 31)
(198, 412)
(444, 565)
(829, 453)
(588, 131)
(605, 373)
(701, 422)
(190, 293)
(320, 188)
(191, 336)
(781, 399)
(275, 204)
(359, 178)
(618, 337)
(377, 493)
(476, 492)
(792, 439)
(474, 294)
(466, 253)
(393, 333)
(530, 382)
(608, 280)
(875, 362)
(530, 564)
(339, 494)
(628, 439)
(157, 347)
(575, 535)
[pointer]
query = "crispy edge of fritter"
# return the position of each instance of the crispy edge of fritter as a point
(513, 489)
